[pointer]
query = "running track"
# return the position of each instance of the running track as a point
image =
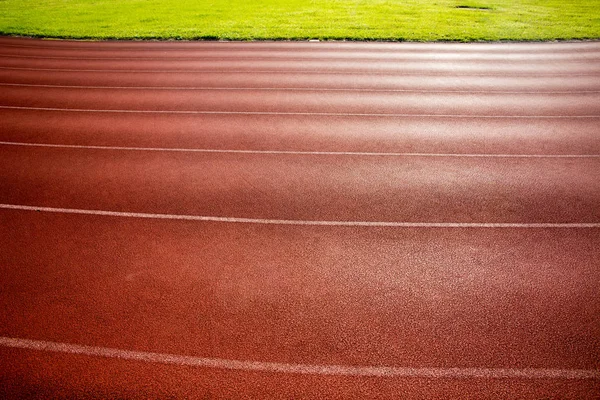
(299, 220)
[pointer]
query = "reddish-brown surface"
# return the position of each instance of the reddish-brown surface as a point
(439, 298)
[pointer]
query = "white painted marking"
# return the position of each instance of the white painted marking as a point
(306, 72)
(396, 56)
(299, 89)
(307, 369)
(377, 224)
(296, 113)
(291, 152)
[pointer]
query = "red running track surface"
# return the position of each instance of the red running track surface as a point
(299, 220)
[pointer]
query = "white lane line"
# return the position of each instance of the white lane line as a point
(325, 114)
(292, 152)
(307, 369)
(397, 57)
(309, 72)
(299, 89)
(263, 221)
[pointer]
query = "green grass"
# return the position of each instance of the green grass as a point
(410, 20)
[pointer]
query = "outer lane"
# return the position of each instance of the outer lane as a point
(510, 298)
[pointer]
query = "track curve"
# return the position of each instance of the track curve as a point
(411, 220)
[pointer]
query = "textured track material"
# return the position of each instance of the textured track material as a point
(411, 221)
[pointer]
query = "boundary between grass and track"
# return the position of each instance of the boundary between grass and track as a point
(502, 58)
(42, 40)
(305, 369)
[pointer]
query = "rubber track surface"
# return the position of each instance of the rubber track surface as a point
(299, 220)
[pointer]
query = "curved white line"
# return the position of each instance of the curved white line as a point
(307, 72)
(292, 152)
(264, 221)
(325, 114)
(287, 368)
(385, 57)
(299, 89)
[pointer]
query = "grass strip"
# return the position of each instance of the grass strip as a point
(406, 20)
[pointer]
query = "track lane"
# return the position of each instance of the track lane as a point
(305, 133)
(304, 187)
(173, 289)
(273, 54)
(281, 101)
(322, 66)
(322, 82)
(180, 284)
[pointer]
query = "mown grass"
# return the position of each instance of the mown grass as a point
(400, 20)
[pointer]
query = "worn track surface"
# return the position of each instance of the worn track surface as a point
(299, 220)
